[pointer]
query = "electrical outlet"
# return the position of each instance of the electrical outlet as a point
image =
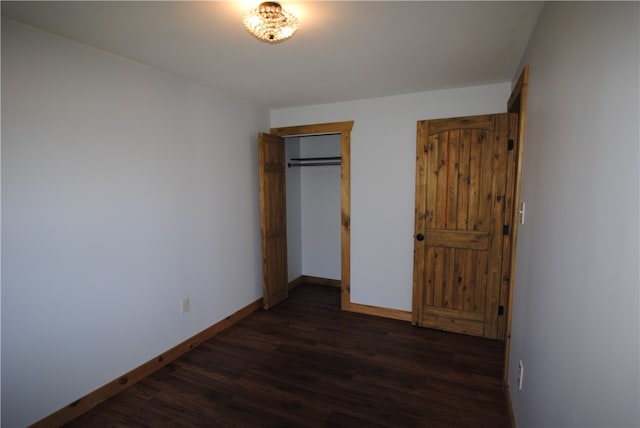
(520, 374)
(185, 305)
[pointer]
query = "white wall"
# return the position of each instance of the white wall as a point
(294, 211)
(320, 206)
(123, 190)
(383, 147)
(576, 324)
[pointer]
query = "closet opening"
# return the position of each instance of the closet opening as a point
(313, 209)
(317, 173)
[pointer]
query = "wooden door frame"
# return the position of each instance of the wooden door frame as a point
(517, 104)
(344, 129)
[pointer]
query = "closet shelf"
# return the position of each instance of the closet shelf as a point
(334, 160)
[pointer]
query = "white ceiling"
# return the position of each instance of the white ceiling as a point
(342, 51)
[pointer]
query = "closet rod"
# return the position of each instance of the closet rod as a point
(315, 159)
(312, 164)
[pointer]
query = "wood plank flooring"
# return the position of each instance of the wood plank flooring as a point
(305, 363)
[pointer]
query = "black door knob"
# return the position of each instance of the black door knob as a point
(420, 237)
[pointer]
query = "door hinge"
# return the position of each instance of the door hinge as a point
(510, 144)
(500, 310)
(505, 229)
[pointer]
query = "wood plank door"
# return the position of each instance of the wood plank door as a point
(273, 219)
(465, 169)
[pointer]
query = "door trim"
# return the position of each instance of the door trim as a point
(517, 104)
(344, 129)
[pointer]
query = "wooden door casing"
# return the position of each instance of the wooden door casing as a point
(344, 129)
(464, 197)
(273, 219)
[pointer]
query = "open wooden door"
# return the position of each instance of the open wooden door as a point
(464, 203)
(273, 220)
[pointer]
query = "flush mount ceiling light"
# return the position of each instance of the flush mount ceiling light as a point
(270, 23)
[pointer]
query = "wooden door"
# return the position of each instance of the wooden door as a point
(273, 219)
(465, 170)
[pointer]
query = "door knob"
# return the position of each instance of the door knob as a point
(420, 237)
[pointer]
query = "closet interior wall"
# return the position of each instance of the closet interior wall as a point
(294, 211)
(313, 208)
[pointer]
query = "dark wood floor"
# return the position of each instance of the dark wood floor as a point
(307, 364)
